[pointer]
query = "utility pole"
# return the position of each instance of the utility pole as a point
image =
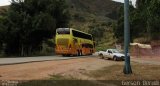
(127, 67)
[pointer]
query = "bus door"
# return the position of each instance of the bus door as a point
(75, 44)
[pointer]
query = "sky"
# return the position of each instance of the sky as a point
(7, 2)
(133, 1)
(4, 2)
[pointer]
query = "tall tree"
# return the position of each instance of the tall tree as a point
(144, 21)
(30, 22)
(1, 33)
(2, 27)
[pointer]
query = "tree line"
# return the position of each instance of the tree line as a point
(27, 23)
(144, 21)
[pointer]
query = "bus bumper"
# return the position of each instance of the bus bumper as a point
(64, 52)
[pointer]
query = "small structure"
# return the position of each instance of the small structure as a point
(139, 50)
(156, 47)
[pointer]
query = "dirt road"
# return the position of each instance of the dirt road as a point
(21, 60)
(43, 70)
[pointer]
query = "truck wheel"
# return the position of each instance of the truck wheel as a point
(115, 58)
(108, 58)
(101, 56)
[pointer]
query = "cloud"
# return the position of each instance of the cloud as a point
(133, 1)
(4, 2)
(7, 2)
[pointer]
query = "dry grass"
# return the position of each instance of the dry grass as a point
(115, 72)
(114, 75)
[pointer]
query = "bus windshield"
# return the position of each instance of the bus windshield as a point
(115, 51)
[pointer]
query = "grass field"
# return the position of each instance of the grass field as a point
(115, 72)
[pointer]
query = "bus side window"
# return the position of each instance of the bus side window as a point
(75, 40)
(83, 46)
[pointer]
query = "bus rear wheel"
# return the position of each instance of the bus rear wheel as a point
(81, 53)
(64, 55)
(78, 53)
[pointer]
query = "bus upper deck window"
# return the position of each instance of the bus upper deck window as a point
(63, 31)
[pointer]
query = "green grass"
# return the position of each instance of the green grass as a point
(107, 41)
(59, 80)
(59, 83)
(61, 77)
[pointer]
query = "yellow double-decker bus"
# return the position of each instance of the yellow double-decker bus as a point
(73, 42)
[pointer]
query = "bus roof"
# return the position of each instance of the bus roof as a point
(77, 30)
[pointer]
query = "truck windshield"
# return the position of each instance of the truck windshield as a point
(115, 51)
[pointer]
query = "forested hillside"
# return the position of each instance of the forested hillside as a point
(28, 23)
(28, 27)
(95, 17)
(144, 22)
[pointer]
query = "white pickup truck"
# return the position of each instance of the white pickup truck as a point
(111, 54)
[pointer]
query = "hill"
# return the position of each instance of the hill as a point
(96, 7)
(97, 16)
(93, 11)
(3, 7)
(87, 15)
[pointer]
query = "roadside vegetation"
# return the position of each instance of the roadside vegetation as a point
(144, 22)
(60, 83)
(27, 25)
(59, 80)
